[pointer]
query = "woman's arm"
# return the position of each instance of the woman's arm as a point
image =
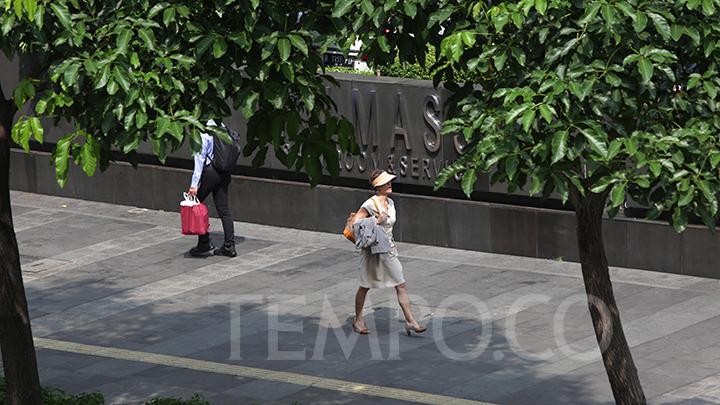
(362, 213)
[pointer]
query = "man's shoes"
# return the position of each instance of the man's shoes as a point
(202, 249)
(226, 250)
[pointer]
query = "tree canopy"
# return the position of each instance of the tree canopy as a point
(126, 72)
(592, 96)
(594, 100)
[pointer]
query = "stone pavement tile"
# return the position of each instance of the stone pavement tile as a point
(62, 361)
(578, 388)
(317, 396)
(27, 221)
(137, 390)
(21, 209)
(78, 382)
(265, 391)
(702, 392)
(655, 385)
(51, 239)
(129, 299)
(191, 379)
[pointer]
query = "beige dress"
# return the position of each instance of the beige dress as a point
(381, 270)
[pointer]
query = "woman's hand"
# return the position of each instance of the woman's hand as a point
(381, 218)
(192, 191)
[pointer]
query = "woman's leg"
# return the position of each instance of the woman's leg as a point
(359, 305)
(404, 302)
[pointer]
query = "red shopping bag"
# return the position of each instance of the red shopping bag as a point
(194, 216)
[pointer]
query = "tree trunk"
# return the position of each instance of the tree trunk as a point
(604, 312)
(16, 342)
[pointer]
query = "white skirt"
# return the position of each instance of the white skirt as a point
(380, 270)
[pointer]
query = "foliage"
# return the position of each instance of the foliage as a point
(196, 399)
(56, 396)
(584, 97)
(349, 70)
(127, 72)
(425, 71)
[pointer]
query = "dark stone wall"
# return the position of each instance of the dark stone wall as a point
(473, 225)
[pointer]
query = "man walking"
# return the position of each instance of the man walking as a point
(207, 179)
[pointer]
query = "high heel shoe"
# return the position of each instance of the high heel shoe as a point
(363, 331)
(416, 329)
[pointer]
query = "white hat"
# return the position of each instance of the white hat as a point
(382, 179)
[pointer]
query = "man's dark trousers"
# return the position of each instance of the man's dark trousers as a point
(218, 184)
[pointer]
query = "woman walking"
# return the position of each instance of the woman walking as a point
(382, 270)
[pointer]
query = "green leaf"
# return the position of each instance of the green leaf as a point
(559, 146)
(582, 90)
(646, 69)
(708, 7)
(367, 7)
(511, 164)
(590, 12)
(528, 119)
(602, 184)
(541, 6)
(655, 168)
(383, 43)
(89, 154)
(536, 184)
(283, 45)
(596, 141)
(499, 60)
(608, 12)
(111, 87)
(248, 104)
(614, 148)
(219, 47)
(676, 31)
(287, 70)
(468, 181)
(122, 40)
(36, 128)
(679, 219)
(148, 38)
(410, 8)
(714, 159)
(121, 79)
(141, 119)
(661, 25)
(687, 197)
(547, 112)
(617, 194)
(168, 16)
(342, 7)
(694, 81)
(468, 38)
(298, 42)
(62, 157)
(71, 74)
(640, 22)
(41, 106)
(710, 89)
(515, 112)
(155, 10)
(62, 14)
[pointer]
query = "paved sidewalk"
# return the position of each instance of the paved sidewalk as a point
(118, 307)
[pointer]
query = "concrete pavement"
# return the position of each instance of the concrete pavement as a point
(118, 307)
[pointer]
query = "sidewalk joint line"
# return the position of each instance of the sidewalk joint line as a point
(253, 373)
